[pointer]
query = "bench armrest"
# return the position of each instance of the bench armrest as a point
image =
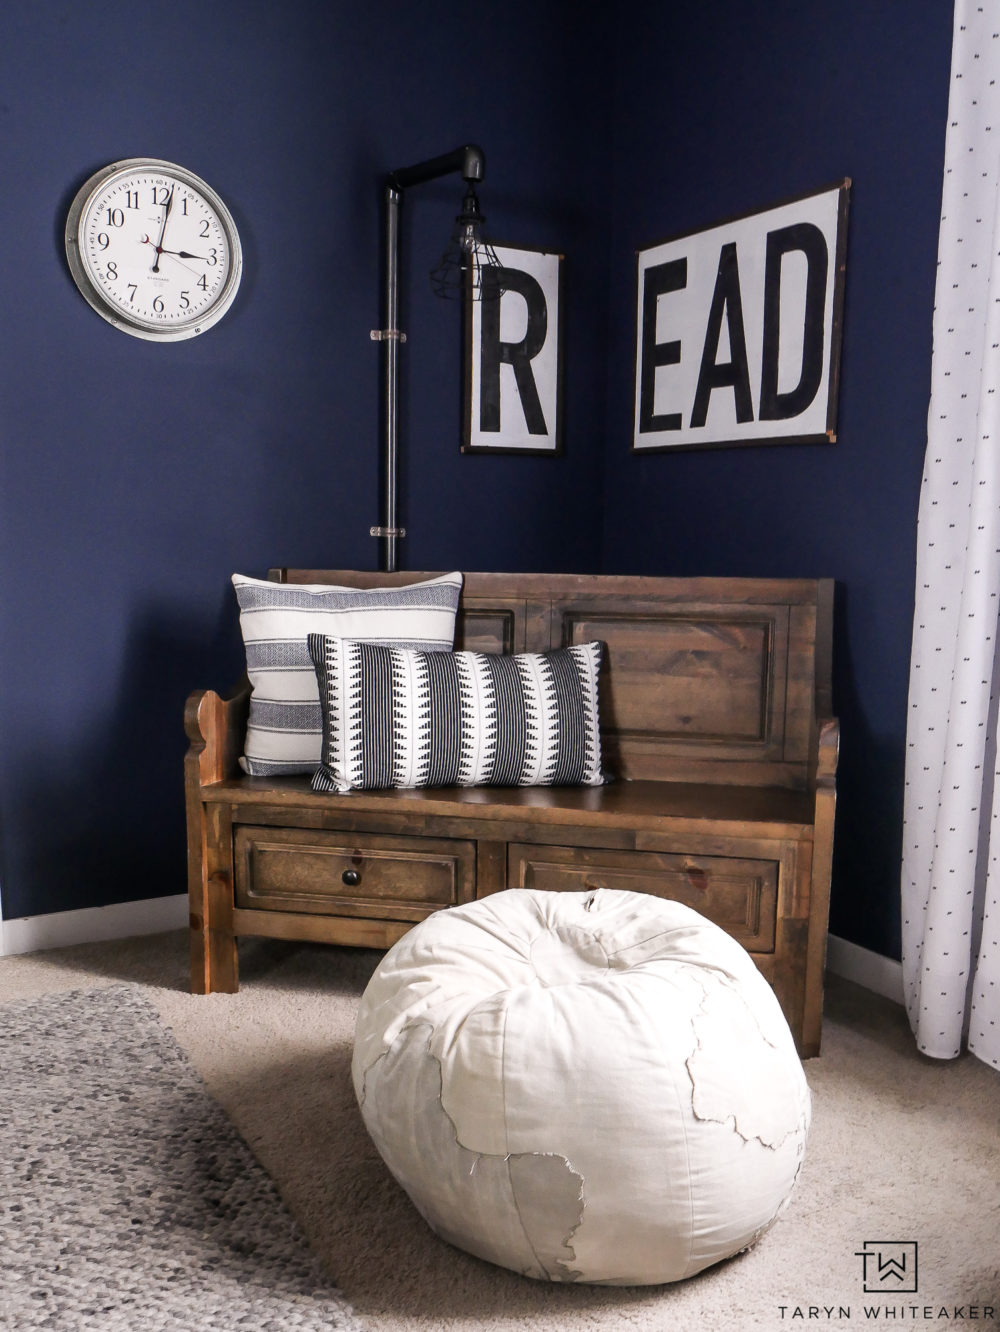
(827, 750)
(216, 728)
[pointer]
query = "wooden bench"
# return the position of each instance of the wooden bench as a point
(716, 720)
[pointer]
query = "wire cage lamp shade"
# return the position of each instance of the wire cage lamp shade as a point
(469, 267)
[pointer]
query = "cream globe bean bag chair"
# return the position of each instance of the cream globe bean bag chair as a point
(594, 1086)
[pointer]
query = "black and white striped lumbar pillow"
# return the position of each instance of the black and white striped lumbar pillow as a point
(399, 718)
(285, 727)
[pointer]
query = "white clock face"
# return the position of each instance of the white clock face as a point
(153, 249)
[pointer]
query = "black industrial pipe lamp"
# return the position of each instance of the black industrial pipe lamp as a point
(468, 269)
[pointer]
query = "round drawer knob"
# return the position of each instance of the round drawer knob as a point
(351, 877)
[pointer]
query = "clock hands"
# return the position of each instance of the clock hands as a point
(175, 254)
(163, 228)
(181, 254)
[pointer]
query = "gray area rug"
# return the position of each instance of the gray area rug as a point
(127, 1199)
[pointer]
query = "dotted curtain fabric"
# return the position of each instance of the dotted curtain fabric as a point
(951, 841)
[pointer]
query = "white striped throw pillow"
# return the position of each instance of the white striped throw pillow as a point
(285, 727)
(393, 717)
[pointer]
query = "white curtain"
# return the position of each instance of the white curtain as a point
(951, 840)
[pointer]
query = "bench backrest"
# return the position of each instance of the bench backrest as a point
(706, 679)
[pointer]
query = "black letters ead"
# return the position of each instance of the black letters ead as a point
(734, 373)
(658, 280)
(775, 406)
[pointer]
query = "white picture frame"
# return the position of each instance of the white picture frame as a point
(512, 401)
(738, 329)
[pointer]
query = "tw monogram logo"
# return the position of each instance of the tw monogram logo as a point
(889, 1266)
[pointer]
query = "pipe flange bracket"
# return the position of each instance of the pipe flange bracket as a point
(386, 335)
(387, 531)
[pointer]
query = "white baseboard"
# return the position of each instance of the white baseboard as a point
(884, 975)
(60, 929)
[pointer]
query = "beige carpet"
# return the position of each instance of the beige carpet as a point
(902, 1149)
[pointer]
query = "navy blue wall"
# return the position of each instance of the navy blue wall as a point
(724, 107)
(136, 478)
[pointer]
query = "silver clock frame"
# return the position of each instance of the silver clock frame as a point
(93, 295)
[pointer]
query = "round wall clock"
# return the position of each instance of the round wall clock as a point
(153, 249)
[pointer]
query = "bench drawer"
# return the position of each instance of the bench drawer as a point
(351, 874)
(740, 894)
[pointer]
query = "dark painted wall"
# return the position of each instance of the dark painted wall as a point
(721, 109)
(136, 478)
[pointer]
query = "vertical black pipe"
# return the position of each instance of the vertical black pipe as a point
(393, 198)
(470, 161)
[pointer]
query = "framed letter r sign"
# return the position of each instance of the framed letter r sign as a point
(513, 359)
(738, 329)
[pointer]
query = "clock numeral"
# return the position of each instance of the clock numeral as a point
(133, 287)
(133, 199)
(203, 282)
(213, 258)
(103, 239)
(185, 301)
(112, 271)
(184, 206)
(203, 234)
(160, 195)
(158, 305)
(116, 218)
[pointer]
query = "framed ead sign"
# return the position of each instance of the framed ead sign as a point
(738, 329)
(513, 359)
